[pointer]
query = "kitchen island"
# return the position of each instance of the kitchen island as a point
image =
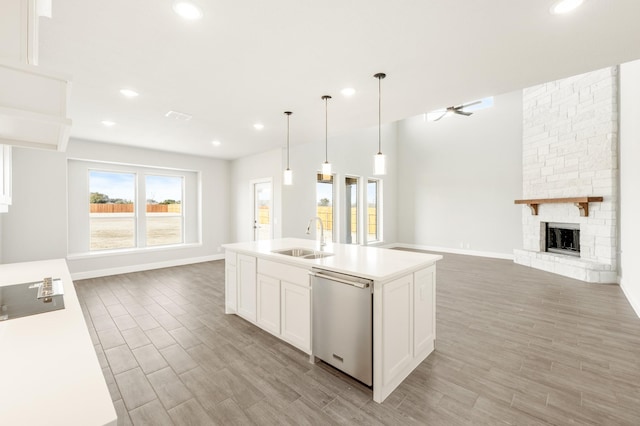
(273, 291)
(49, 371)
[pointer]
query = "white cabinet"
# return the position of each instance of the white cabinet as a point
(295, 306)
(230, 282)
(33, 101)
(275, 296)
(397, 327)
(269, 304)
(404, 328)
(424, 301)
(246, 279)
(5, 178)
(284, 302)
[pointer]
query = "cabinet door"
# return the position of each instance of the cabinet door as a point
(247, 287)
(397, 327)
(296, 315)
(269, 304)
(424, 331)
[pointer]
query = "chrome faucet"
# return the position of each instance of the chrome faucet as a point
(322, 242)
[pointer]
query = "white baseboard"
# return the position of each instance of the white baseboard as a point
(143, 267)
(635, 303)
(454, 251)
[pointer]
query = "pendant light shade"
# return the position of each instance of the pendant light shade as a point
(287, 178)
(326, 166)
(379, 160)
(379, 164)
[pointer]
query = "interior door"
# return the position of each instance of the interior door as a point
(262, 210)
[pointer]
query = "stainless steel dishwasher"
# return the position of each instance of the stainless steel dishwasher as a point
(343, 322)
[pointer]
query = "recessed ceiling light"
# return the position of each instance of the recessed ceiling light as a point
(216, 143)
(258, 126)
(348, 91)
(187, 10)
(108, 123)
(564, 6)
(129, 93)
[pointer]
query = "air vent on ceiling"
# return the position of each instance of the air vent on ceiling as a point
(181, 116)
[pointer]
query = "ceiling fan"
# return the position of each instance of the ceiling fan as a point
(455, 110)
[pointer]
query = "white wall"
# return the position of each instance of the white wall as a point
(458, 178)
(629, 270)
(242, 172)
(350, 154)
(35, 228)
(36, 225)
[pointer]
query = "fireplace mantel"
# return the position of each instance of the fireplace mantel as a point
(582, 203)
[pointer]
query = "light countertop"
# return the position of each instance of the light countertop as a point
(367, 262)
(49, 371)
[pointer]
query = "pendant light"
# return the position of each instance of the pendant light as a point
(379, 160)
(288, 174)
(326, 166)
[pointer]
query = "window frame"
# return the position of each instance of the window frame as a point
(134, 215)
(334, 205)
(78, 246)
(359, 210)
(182, 209)
(379, 202)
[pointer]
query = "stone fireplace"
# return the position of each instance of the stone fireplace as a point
(570, 146)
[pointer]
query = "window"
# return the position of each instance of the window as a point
(351, 210)
(324, 205)
(373, 211)
(164, 210)
(112, 210)
(131, 207)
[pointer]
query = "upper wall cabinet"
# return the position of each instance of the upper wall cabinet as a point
(33, 108)
(33, 101)
(5, 178)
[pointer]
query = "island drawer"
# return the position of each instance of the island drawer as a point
(284, 272)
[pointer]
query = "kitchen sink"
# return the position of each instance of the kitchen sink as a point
(303, 253)
(295, 252)
(317, 255)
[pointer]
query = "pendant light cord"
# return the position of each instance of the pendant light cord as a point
(288, 114)
(326, 127)
(380, 76)
(379, 114)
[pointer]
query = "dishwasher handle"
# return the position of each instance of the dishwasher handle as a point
(340, 280)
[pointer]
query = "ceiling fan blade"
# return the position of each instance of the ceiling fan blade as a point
(470, 104)
(442, 116)
(465, 113)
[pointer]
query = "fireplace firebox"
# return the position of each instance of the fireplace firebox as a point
(563, 238)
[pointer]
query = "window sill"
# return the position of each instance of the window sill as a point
(127, 252)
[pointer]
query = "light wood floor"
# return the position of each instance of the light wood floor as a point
(514, 346)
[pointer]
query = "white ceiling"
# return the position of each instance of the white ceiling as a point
(249, 61)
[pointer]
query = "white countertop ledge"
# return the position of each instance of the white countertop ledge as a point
(49, 371)
(378, 264)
